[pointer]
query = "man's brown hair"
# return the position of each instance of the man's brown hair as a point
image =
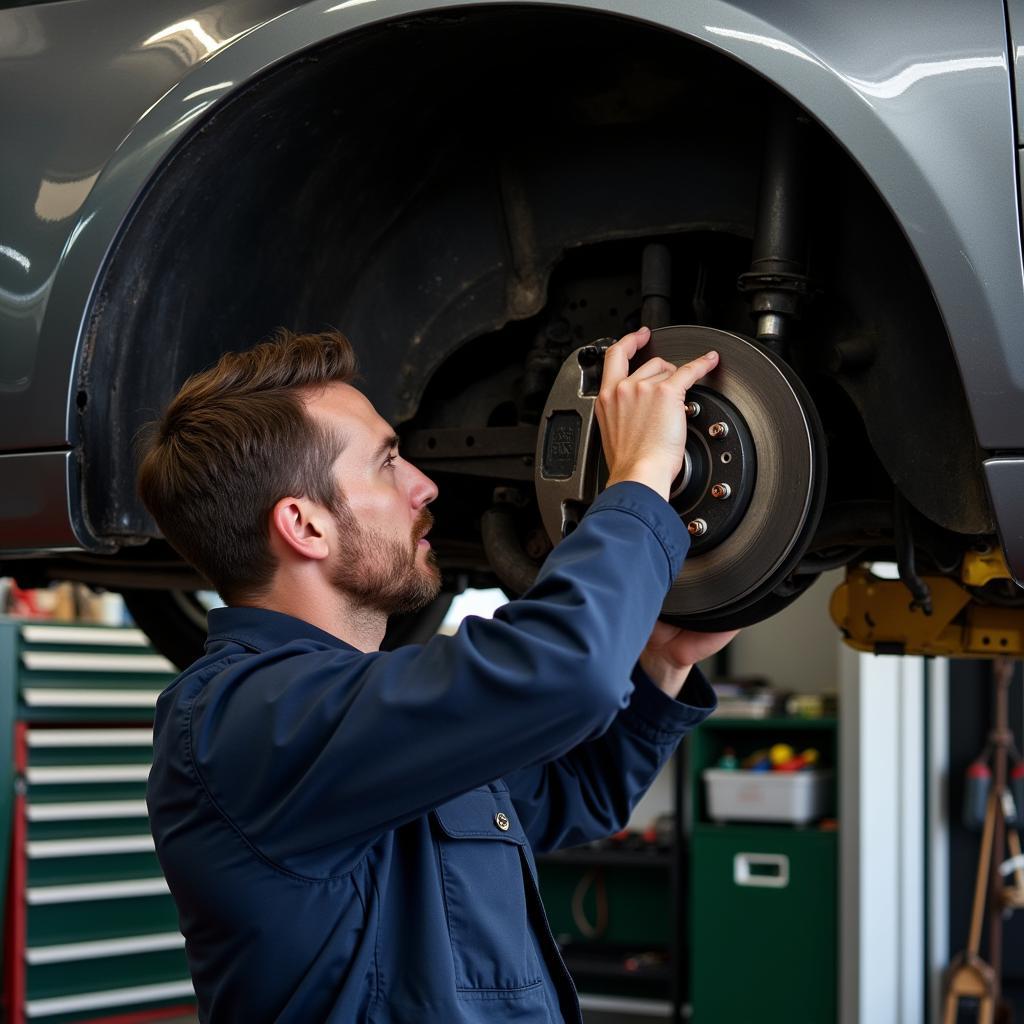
(234, 441)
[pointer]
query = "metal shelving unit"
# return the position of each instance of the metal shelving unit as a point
(650, 878)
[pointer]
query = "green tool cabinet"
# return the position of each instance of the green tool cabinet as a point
(91, 933)
(763, 897)
(630, 956)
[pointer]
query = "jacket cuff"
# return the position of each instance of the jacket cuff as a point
(660, 713)
(655, 512)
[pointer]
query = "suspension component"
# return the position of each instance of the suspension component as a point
(777, 282)
(656, 286)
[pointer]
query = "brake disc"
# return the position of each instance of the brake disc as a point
(752, 483)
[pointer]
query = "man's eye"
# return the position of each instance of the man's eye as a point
(389, 462)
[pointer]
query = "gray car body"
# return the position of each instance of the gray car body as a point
(95, 94)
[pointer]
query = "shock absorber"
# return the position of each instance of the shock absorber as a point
(776, 284)
(656, 286)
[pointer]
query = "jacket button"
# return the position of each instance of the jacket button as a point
(501, 820)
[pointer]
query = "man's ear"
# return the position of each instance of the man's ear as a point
(302, 525)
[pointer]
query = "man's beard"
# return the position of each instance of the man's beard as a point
(382, 573)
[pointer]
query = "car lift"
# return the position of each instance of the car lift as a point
(879, 615)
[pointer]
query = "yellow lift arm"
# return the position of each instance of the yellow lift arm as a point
(876, 615)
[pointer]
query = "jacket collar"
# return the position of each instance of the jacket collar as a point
(262, 629)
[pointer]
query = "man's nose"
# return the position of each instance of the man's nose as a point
(423, 490)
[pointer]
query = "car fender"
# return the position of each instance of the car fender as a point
(931, 125)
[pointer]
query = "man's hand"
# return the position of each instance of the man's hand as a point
(642, 414)
(672, 651)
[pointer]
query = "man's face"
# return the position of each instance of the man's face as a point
(379, 558)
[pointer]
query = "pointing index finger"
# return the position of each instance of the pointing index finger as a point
(616, 359)
(689, 373)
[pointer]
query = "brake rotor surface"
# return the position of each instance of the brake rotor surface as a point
(756, 431)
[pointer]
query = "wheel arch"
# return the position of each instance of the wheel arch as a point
(967, 246)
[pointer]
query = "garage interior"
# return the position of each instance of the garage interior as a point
(650, 920)
(839, 842)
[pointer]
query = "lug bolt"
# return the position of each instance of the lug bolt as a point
(720, 491)
(719, 429)
(698, 527)
(692, 409)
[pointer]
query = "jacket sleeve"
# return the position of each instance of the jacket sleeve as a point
(590, 792)
(331, 746)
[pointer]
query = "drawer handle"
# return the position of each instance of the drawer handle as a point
(764, 870)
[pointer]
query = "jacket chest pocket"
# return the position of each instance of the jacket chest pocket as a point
(479, 845)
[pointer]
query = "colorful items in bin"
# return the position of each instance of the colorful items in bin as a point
(807, 759)
(781, 758)
(758, 761)
(728, 760)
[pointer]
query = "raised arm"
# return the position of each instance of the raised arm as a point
(590, 792)
(363, 743)
(305, 745)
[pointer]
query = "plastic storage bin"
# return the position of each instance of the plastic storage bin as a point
(792, 797)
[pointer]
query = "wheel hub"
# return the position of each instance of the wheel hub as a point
(751, 486)
(719, 470)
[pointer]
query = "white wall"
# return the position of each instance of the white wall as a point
(798, 649)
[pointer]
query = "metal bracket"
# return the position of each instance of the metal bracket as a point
(876, 615)
(504, 453)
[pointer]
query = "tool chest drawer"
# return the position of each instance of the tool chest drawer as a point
(91, 930)
(83, 673)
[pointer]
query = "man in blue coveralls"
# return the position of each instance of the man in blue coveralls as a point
(349, 834)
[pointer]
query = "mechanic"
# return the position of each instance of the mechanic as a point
(348, 834)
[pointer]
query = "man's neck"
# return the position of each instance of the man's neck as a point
(329, 610)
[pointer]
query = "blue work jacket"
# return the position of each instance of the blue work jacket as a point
(349, 837)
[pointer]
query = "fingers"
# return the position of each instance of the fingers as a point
(653, 368)
(616, 359)
(689, 373)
